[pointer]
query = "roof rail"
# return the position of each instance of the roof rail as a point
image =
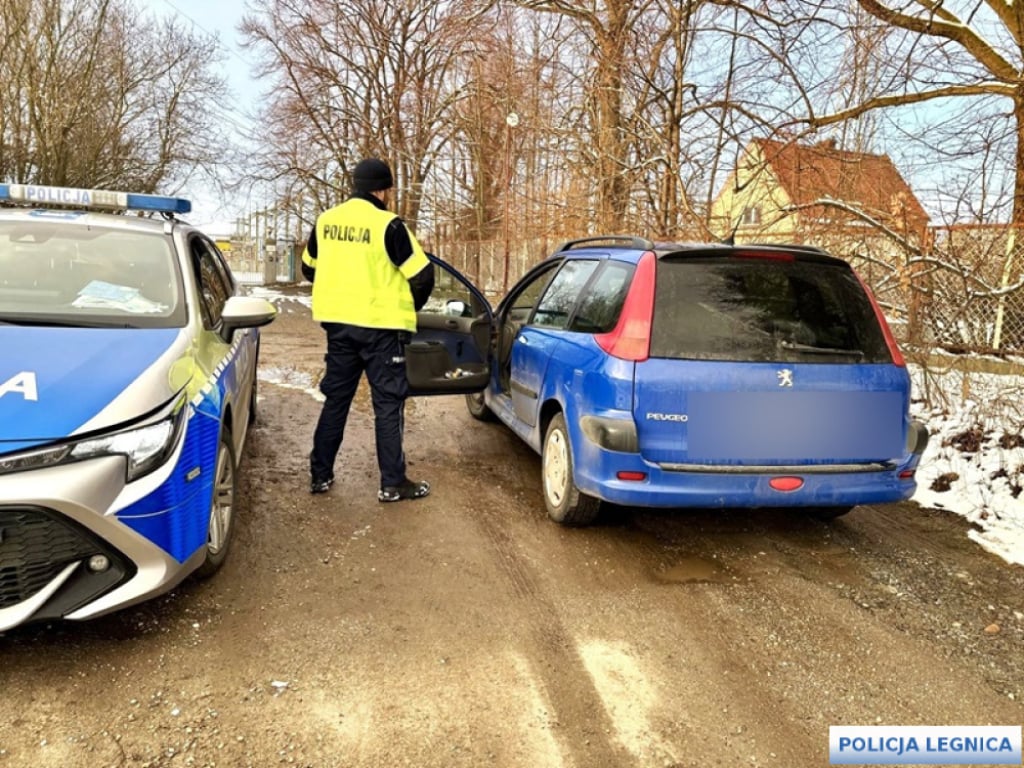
(623, 241)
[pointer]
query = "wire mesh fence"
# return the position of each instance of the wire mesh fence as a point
(964, 294)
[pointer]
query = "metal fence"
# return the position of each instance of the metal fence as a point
(255, 262)
(964, 295)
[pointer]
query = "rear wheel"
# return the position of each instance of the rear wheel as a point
(826, 514)
(222, 509)
(478, 408)
(564, 501)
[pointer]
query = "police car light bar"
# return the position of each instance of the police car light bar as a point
(104, 199)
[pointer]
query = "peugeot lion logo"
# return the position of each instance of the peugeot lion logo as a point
(785, 377)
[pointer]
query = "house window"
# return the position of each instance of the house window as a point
(751, 216)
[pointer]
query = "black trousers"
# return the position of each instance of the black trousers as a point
(351, 350)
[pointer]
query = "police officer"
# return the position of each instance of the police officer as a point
(370, 276)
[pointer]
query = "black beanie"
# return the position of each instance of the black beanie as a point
(372, 175)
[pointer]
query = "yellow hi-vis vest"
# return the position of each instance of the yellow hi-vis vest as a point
(356, 282)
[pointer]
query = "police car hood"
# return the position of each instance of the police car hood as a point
(58, 382)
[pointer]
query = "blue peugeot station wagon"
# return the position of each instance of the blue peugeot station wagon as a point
(127, 387)
(675, 375)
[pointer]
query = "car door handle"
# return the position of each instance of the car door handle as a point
(453, 324)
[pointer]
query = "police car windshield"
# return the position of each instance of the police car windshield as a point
(86, 275)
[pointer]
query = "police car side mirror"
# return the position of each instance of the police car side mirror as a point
(245, 312)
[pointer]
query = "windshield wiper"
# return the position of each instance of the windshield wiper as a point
(813, 350)
(27, 321)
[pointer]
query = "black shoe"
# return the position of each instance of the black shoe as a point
(321, 486)
(409, 489)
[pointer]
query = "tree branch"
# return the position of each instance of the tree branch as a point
(901, 99)
(942, 23)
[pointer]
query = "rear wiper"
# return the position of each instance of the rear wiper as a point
(812, 350)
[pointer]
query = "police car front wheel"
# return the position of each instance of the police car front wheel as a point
(222, 508)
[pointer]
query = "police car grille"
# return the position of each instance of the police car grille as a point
(34, 547)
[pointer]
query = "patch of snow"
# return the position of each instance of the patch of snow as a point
(974, 463)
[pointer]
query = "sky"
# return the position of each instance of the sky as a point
(219, 18)
(978, 492)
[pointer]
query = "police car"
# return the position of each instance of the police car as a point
(127, 386)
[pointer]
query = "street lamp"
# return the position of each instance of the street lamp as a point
(511, 121)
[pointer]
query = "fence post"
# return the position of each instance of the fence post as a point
(1011, 241)
(269, 253)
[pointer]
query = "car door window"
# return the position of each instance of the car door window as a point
(452, 296)
(525, 299)
(555, 307)
(213, 280)
(602, 300)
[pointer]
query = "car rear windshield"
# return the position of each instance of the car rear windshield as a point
(55, 273)
(764, 310)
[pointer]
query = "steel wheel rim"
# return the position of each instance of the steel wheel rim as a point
(556, 467)
(223, 502)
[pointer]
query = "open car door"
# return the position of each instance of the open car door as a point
(450, 354)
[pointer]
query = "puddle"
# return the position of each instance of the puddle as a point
(692, 570)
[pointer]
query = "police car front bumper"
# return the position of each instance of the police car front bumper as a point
(63, 551)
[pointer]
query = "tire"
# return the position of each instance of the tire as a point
(222, 509)
(827, 514)
(564, 501)
(478, 408)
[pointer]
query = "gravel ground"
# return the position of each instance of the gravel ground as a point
(466, 629)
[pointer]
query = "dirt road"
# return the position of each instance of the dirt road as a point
(468, 630)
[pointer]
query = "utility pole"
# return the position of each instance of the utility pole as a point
(511, 121)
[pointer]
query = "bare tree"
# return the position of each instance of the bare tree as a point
(480, 152)
(607, 25)
(858, 73)
(677, 130)
(948, 51)
(95, 95)
(360, 77)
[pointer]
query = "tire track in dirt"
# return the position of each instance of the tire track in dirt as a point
(553, 654)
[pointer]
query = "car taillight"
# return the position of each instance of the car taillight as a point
(890, 340)
(630, 339)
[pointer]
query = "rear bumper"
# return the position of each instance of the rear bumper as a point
(597, 473)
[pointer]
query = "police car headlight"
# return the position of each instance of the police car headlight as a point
(34, 459)
(146, 448)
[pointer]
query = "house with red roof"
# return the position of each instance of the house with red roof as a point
(816, 194)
